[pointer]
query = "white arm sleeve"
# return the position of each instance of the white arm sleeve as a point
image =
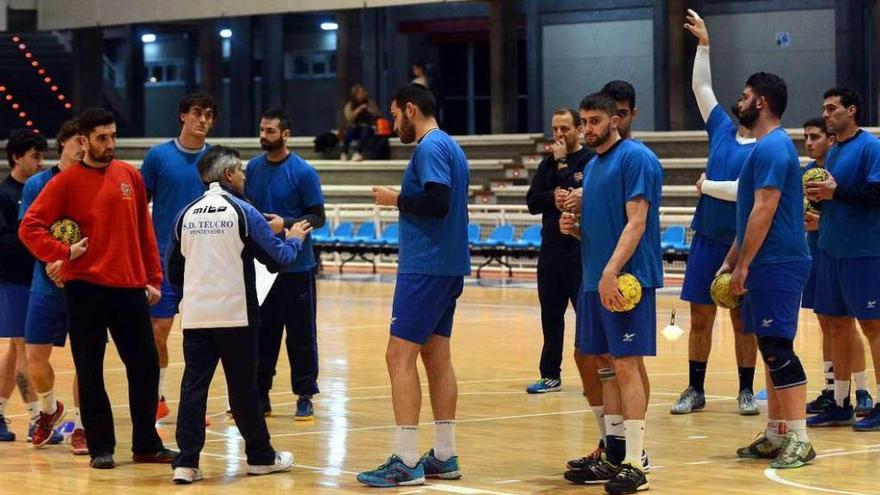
(725, 190)
(702, 82)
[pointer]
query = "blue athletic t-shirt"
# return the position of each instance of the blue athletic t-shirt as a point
(812, 237)
(846, 230)
(715, 218)
(285, 189)
(40, 284)
(624, 172)
(171, 176)
(431, 246)
(773, 163)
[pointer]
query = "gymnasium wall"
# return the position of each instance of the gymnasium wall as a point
(744, 43)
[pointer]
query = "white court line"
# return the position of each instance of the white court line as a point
(697, 463)
(772, 475)
(505, 482)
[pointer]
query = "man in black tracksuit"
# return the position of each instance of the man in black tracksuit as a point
(559, 263)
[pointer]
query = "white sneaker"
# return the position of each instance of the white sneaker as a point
(343, 156)
(186, 475)
(357, 157)
(283, 462)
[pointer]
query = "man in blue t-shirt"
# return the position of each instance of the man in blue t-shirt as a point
(770, 262)
(620, 233)
(286, 189)
(849, 240)
(714, 230)
(433, 261)
(172, 180)
(46, 321)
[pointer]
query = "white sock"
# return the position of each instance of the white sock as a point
(47, 402)
(77, 420)
(33, 409)
(861, 379)
(828, 367)
(3, 402)
(162, 381)
(775, 430)
(614, 426)
(407, 445)
(634, 430)
(841, 391)
(444, 447)
(799, 426)
(599, 414)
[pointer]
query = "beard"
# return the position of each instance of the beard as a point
(105, 157)
(748, 116)
(599, 139)
(407, 130)
(271, 145)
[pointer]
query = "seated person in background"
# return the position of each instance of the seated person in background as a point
(360, 115)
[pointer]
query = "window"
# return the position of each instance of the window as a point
(169, 72)
(310, 65)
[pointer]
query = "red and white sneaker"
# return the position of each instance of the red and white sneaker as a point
(162, 409)
(46, 424)
(78, 442)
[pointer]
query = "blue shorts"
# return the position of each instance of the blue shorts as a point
(599, 331)
(424, 305)
(848, 287)
(808, 299)
(46, 320)
(169, 305)
(773, 300)
(705, 258)
(13, 309)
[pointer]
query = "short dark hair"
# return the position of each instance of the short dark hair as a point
(621, 91)
(418, 95)
(67, 131)
(215, 161)
(575, 117)
(772, 88)
(197, 99)
(280, 114)
(600, 100)
(21, 141)
(817, 122)
(94, 117)
(848, 97)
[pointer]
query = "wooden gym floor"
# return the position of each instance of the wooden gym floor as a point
(509, 442)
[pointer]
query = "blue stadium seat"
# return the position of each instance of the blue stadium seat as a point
(473, 232)
(321, 235)
(390, 236)
(531, 238)
(500, 236)
(365, 233)
(673, 238)
(344, 230)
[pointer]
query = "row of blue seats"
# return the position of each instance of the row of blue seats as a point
(501, 236)
(674, 238)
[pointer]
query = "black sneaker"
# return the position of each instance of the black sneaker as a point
(584, 462)
(103, 461)
(629, 479)
(595, 472)
(824, 401)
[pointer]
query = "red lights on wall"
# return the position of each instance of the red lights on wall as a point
(44, 76)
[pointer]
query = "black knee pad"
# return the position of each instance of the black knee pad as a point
(785, 368)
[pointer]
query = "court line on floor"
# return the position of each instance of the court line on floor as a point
(773, 475)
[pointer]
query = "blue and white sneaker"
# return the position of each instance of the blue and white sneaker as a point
(545, 385)
(305, 411)
(833, 416)
(437, 469)
(5, 434)
(57, 436)
(871, 422)
(394, 473)
(864, 403)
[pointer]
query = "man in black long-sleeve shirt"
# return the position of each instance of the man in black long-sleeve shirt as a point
(559, 263)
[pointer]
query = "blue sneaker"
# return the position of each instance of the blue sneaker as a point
(545, 385)
(871, 422)
(394, 473)
(864, 403)
(833, 416)
(56, 438)
(304, 409)
(444, 470)
(5, 434)
(761, 395)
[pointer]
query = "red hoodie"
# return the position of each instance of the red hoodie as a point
(110, 206)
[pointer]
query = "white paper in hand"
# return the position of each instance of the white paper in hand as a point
(264, 280)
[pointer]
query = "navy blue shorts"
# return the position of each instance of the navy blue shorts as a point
(46, 320)
(808, 299)
(705, 258)
(599, 331)
(848, 287)
(773, 300)
(169, 305)
(424, 305)
(13, 309)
